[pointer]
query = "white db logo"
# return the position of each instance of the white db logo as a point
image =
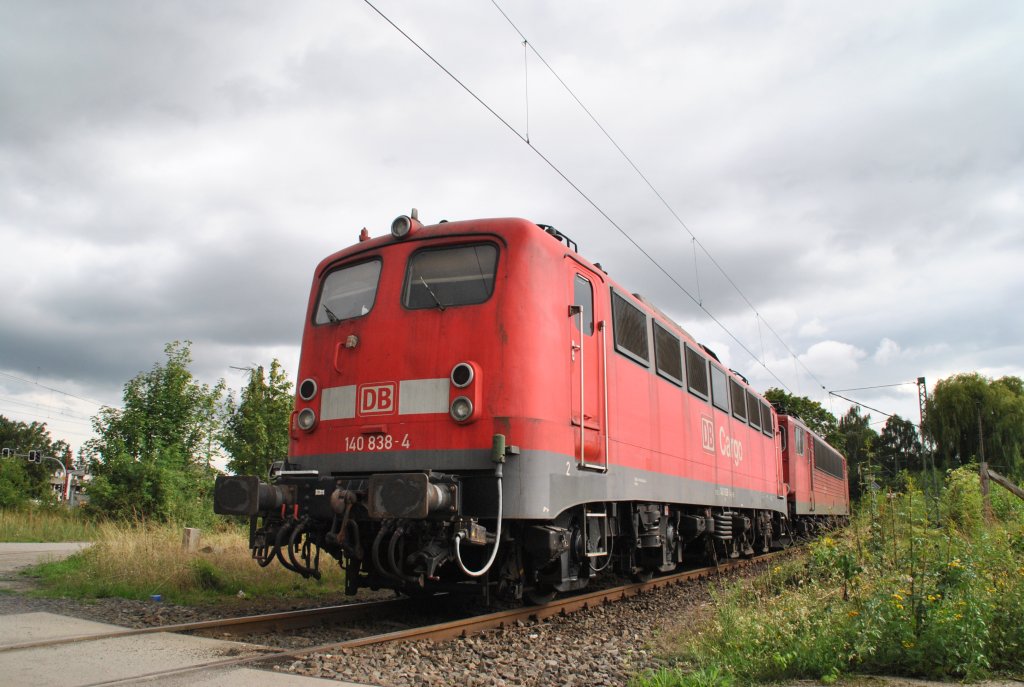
(707, 433)
(378, 399)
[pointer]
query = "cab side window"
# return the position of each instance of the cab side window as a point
(583, 296)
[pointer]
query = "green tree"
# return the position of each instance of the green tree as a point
(813, 414)
(856, 440)
(898, 447)
(960, 403)
(151, 458)
(20, 480)
(256, 429)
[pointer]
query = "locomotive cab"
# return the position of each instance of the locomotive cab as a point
(421, 353)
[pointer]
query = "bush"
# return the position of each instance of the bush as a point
(895, 594)
(14, 484)
(163, 489)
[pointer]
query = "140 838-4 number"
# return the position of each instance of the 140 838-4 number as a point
(376, 442)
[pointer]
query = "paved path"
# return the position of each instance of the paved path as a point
(125, 658)
(14, 556)
(88, 663)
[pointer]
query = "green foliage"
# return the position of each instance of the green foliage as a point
(898, 446)
(702, 677)
(856, 440)
(207, 576)
(813, 414)
(894, 594)
(15, 483)
(960, 403)
(256, 430)
(21, 481)
(152, 458)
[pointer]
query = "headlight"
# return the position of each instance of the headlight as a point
(462, 409)
(306, 419)
(462, 375)
(307, 390)
(401, 227)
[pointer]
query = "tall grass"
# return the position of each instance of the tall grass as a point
(135, 561)
(45, 524)
(896, 594)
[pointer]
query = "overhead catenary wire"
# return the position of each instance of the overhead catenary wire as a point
(581, 193)
(46, 407)
(50, 388)
(858, 403)
(671, 210)
(879, 386)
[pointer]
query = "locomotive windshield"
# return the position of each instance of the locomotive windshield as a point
(442, 277)
(348, 292)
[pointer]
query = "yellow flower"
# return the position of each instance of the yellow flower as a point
(899, 606)
(897, 597)
(908, 645)
(853, 614)
(958, 616)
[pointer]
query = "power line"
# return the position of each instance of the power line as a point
(880, 386)
(671, 210)
(46, 407)
(862, 405)
(35, 417)
(50, 388)
(583, 195)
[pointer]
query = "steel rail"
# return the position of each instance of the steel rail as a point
(467, 626)
(490, 621)
(282, 620)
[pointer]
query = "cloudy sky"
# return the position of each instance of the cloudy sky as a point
(175, 170)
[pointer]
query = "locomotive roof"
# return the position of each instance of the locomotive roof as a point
(501, 226)
(509, 227)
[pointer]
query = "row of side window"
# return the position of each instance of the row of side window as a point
(629, 327)
(827, 460)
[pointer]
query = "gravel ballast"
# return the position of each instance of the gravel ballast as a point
(605, 645)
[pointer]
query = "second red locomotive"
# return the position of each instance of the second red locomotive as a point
(478, 404)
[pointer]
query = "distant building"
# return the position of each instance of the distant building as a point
(71, 488)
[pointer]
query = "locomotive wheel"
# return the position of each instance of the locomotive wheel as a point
(540, 594)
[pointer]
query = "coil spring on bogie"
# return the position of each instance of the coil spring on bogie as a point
(723, 526)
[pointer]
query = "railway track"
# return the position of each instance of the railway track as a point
(352, 612)
(243, 625)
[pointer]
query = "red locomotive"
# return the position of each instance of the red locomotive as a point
(479, 404)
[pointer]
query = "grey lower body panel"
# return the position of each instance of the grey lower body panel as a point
(805, 508)
(538, 485)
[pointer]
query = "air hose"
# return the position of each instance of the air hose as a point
(498, 456)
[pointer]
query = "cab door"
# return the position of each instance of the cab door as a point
(587, 367)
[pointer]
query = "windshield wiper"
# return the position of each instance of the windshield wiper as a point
(433, 295)
(331, 317)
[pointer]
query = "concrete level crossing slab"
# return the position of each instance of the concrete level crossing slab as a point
(21, 628)
(123, 658)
